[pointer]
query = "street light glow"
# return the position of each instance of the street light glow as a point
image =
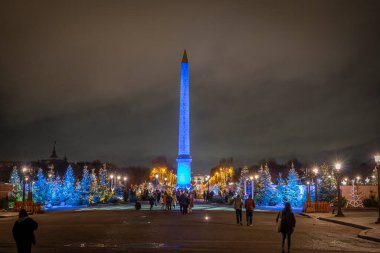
(377, 159)
(111, 176)
(256, 176)
(251, 177)
(338, 166)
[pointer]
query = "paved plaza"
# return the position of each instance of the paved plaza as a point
(207, 229)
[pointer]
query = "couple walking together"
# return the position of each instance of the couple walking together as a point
(249, 206)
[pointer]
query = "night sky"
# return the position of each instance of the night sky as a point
(267, 80)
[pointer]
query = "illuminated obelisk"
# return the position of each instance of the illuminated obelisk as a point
(184, 158)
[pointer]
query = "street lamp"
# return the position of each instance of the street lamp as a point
(377, 160)
(308, 191)
(25, 178)
(252, 186)
(208, 185)
(315, 170)
(111, 182)
(338, 166)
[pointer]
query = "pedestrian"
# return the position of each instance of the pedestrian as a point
(23, 232)
(181, 201)
(169, 200)
(151, 201)
(204, 197)
(191, 203)
(238, 205)
(163, 202)
(249, 206)
(286, 225)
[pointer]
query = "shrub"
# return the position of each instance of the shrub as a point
(370, 202)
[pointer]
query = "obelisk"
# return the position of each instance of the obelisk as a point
(184, 158)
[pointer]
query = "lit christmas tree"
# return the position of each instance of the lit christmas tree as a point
(68, 187)
(280, 190)
(56, 195)
(103, 189)
(266, 192)
(49, 189)
(76, 198)
(15, 180)
(94, 194)
(327, 188)
(292, 188)
(85, 187)
(40, 188)
(355, 199)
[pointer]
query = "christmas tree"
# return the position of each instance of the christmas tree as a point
(327, 188)
(94, 194)
(68, 187)
(355, 199)
(49, 189)
(280, 190)
(266, 194)
(76, 198)
(15, 180)
(103, 189)
(292, 188)
(85, 187)
(39, 188)
(56, 195)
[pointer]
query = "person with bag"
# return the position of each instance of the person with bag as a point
(238, 205)
(23, 232)
(249, 206)
(286, 223)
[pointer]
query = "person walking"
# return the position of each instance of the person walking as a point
(151, 201)
(191, 203)
(23, 232)
(238, 205)
(287, 224)
(249, 206)
(181, 201)
(169, 200)
(163, 201)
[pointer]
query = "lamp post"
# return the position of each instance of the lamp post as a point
(111, 182)
(125, 183)
(24, 179)
(252, 185)
(377, 160)
(338, 166)
(208, 184)
(315, 170)
(156, 180)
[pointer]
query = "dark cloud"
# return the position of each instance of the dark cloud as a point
(268, 79)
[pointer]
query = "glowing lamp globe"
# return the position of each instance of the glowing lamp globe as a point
(377, 159)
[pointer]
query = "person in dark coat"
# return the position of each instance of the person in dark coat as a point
(151, 201)
(288, 222)
(23, 232)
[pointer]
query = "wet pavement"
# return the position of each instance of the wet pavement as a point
(164, 231)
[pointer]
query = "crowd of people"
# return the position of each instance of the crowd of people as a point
(168, 200)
